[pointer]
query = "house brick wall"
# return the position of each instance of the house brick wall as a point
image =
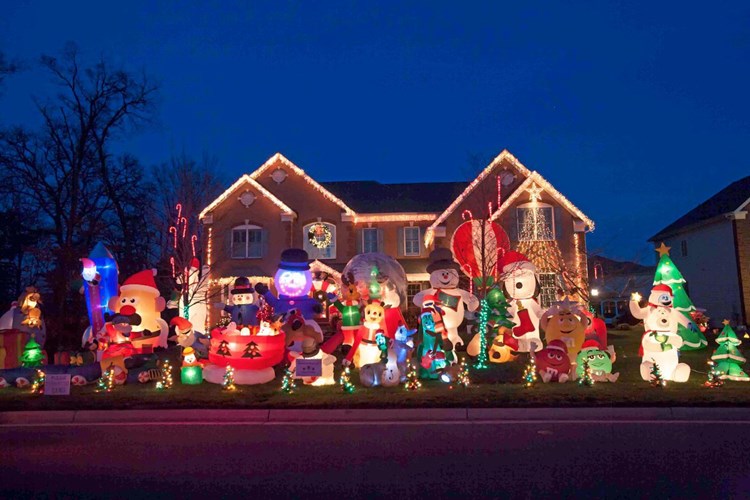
(709, 268)
(742, 232)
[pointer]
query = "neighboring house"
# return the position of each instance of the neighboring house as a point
(280, 206)
(612, 283)
(710, 245)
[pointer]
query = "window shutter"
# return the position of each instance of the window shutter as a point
(557, 218)
(264, 242)
(400, 249)
(360, 236)
(422, 249)
(381, 248)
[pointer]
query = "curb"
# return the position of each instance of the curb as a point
(410, 415)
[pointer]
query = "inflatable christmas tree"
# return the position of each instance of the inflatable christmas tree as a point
(728, 357)
(668, 274)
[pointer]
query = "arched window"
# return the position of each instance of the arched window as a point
(248, 242)
(536, 222)
(319, 240)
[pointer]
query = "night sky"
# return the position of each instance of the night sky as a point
(637, 113)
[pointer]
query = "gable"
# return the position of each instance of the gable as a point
(505, 160)
(236, 188)
(263, 175)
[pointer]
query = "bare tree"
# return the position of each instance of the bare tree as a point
(65, 173)
(186, 187)
(7, 67)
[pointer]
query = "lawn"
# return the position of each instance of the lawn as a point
(497, 386)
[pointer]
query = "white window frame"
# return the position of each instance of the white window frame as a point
(527, 206)
(314, 252)
(372, 230)
(247, 228)
(419, 234)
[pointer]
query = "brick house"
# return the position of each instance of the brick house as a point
(280, 206)
(710, 245)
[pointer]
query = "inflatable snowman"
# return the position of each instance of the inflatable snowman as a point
(661, 342)
(661, 296)
(453, 301)
(521, 287)
(662, 347)
(293, 280)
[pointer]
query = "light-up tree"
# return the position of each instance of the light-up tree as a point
(727, 356)
(536, 240)
(668, 274)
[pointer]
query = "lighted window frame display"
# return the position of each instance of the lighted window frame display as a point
(411, 241)
(536, 222)
(314, 252)
(547, 289)
(247, 242)
(370, 240)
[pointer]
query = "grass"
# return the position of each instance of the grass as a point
(498, 386)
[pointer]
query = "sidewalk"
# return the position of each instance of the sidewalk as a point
(391, 416)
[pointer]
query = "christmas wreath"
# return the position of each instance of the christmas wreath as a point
(319, 236)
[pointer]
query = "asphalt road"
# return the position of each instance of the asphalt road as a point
(538, 459)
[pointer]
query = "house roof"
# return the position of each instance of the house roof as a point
(374, 197)
(278, 157)
(246, 179)
(733, 198)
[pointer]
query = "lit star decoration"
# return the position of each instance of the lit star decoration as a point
(535, 193)
(636, 297)
(725, 322)
(663, 249)
(345, 381)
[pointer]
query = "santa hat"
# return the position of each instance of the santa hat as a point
(142, 281)
(590, 345)
(188, 351)
(513, 260)
(557, 345)
(663, 288)
(181, 324)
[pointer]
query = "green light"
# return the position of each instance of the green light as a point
(32, 354)
(191, 375)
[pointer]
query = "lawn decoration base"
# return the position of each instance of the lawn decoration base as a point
(252, 356)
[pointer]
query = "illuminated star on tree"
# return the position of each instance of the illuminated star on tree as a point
(725, 322)
(535, 193)
(663, 249)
